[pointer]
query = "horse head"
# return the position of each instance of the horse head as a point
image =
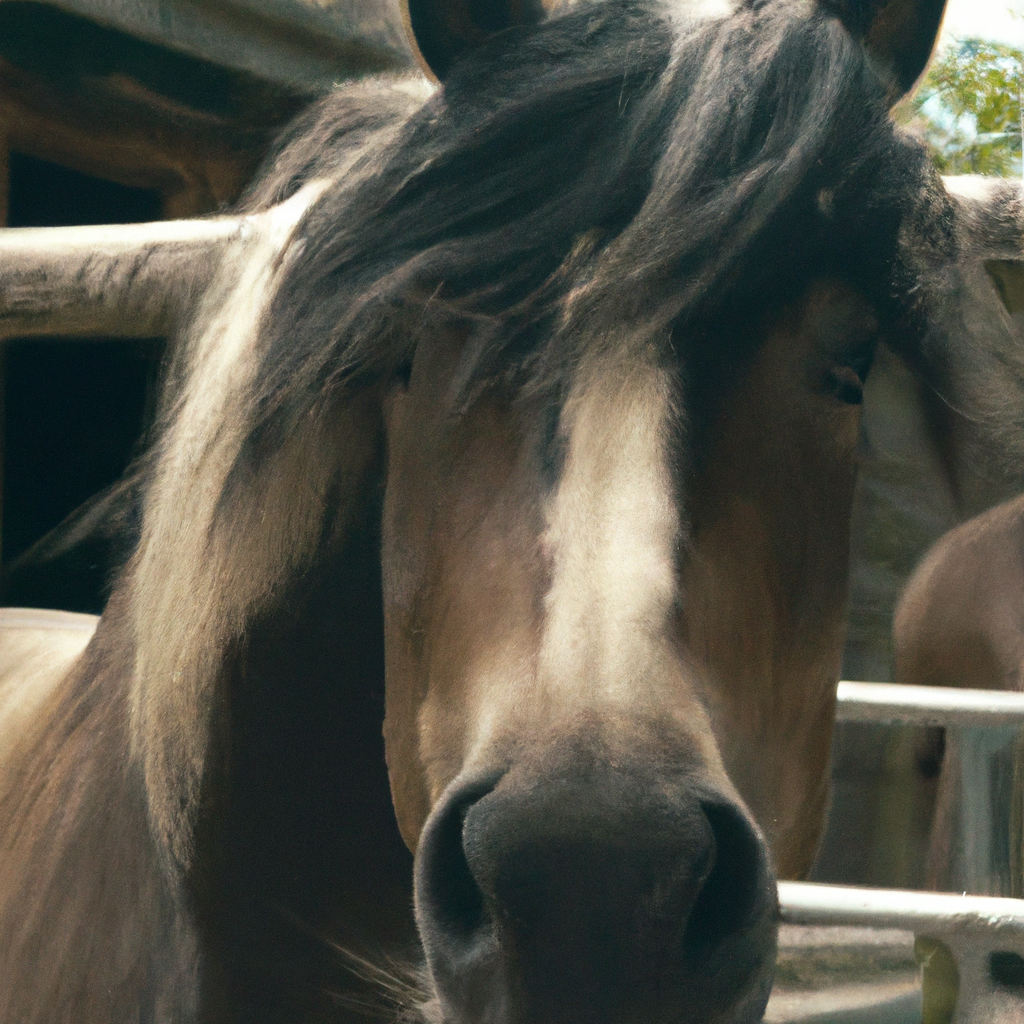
(615, 577)
(546, 413)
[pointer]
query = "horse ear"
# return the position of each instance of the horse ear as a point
(442, 31)
(899, 34)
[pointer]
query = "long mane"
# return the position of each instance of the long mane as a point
(620, 153)
(620, 174)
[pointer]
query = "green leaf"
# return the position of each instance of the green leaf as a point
(967, 108)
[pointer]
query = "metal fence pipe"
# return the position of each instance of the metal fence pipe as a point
(931, 913)
(927, 705)
(973, 946)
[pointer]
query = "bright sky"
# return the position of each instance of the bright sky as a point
(986, 19)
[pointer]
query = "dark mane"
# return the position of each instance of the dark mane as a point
(609, 215)
(553, 183)
(617, 177)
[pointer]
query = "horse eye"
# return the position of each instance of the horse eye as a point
(845, 380)
(847, 385)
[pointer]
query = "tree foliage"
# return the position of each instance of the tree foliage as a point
(968, 108)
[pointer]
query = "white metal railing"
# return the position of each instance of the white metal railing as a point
(928, 705)
(984, 935)
(934, 913)
(982, 782)
(979, 934)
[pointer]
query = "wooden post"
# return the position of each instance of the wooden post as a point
(4, 204)
(128, 280)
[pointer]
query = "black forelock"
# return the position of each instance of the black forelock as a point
(621, 164)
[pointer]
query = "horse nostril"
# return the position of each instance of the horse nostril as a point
(1006, 970)
(573, 899)
(734, 893)
(447, 894)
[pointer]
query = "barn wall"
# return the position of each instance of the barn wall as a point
(118, 111)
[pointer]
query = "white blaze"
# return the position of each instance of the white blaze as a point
(612, 532)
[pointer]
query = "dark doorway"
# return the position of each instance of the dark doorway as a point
(75, 411)
(41, 194)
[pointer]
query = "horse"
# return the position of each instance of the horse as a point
(960, 619)
(534, 438)
(925, 467)
(960, 623)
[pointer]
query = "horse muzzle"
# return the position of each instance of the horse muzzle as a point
(595, 894)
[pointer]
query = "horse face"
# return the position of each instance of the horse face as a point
(612, 632)
(613, 624)
(764, 584)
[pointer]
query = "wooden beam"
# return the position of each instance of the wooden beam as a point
(113, 281)
(125, 281)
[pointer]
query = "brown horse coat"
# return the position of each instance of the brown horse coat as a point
(960, 621)
(535, 440)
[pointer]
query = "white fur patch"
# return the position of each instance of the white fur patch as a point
(612, 533)
(611, 542)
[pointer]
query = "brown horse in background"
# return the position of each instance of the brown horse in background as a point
(535, 440)
(960, 623)
(929, 462)
(960, 617)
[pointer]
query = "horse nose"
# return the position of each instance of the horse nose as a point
(609, 900)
